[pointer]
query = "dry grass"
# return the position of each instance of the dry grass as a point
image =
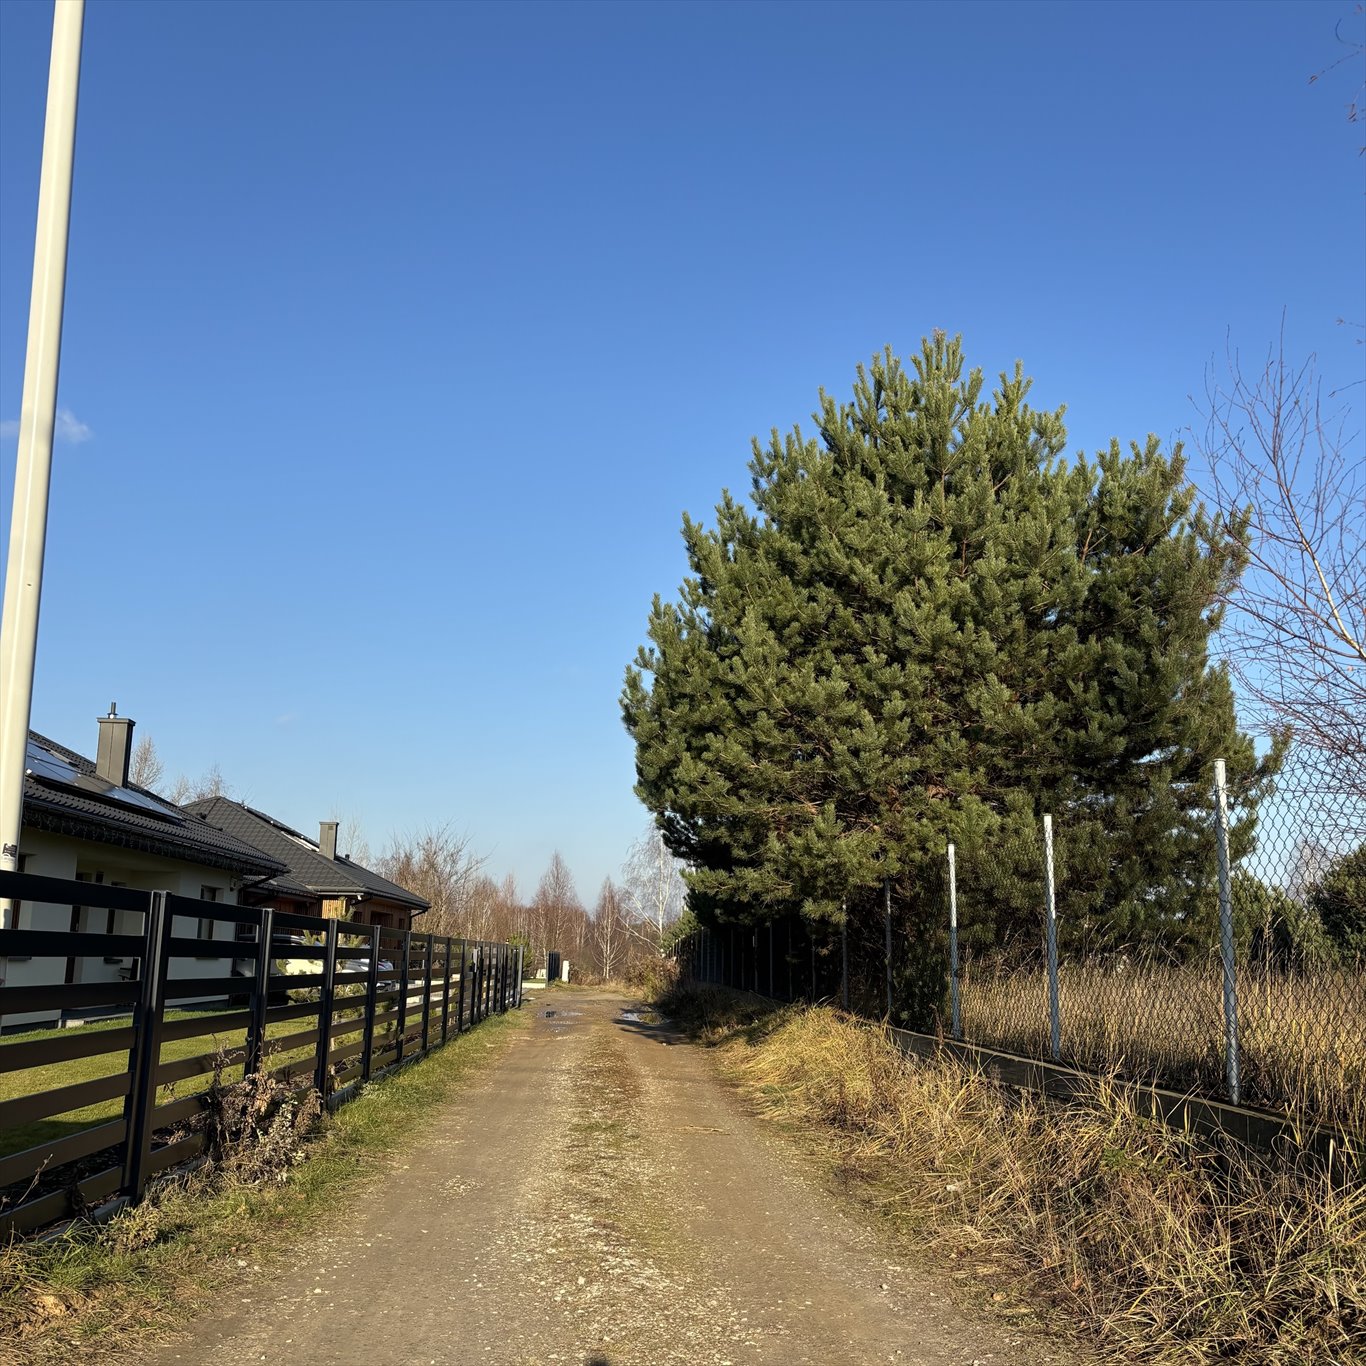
(1302, 1035)
(1166, 1247)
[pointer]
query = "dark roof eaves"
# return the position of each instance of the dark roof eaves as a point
(60, 820)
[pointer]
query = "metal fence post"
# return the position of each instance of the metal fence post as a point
(404, 972)
(260, 994)
(844, 954)
(1231, 1077)
(772, 981)
(887, 928)
(787, 957)
(955, 1013)
(1051, 931)
(327, 995)
(371, 1001)
(142, 1095)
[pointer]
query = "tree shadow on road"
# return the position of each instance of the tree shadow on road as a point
(644, 1021)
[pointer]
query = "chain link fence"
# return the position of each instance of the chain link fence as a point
(1229, 961)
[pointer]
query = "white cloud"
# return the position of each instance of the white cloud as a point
(69, 429)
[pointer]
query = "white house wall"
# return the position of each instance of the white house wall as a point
(48, 855)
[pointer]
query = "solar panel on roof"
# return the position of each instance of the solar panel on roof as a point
(131, 798)
(49, 768)
(43, 763)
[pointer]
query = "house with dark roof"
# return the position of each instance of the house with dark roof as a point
(85, 821)
(317, 880)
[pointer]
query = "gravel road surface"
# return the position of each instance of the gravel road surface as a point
(597, 1198)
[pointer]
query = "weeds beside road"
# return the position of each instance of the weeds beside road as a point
(1166, 1247)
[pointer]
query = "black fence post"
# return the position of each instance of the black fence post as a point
(326, 998)
(142, 1096)
(371, 993)
(260, 994)
(427, 994)
(405, 970)
(446, 991)
(787, 956)
(460, 1000)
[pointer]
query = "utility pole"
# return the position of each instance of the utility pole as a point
(37, 416)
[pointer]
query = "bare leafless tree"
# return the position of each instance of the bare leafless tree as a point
(208, 784)
(653, 888)
(351, 839)
(146, 770)
(483, 904)
(1290, 482)
(557, 914)
(611, 931)
(438, 864)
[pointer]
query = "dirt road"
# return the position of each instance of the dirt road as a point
(597, 1198)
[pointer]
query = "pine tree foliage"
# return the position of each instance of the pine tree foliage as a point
(926, 624)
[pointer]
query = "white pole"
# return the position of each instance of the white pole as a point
(1051, 931)
(37, 416)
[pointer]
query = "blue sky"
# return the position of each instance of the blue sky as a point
(399, 336)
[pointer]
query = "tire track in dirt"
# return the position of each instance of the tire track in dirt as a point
(597, 1198)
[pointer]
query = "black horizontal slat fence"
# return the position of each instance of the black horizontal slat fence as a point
(377, 999)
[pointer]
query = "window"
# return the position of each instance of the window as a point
(206, 924)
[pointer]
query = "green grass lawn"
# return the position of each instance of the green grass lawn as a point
(28, 1081)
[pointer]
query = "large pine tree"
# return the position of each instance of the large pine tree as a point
(930, 624)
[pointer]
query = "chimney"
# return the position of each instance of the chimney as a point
(327, 839)
(116, 747)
